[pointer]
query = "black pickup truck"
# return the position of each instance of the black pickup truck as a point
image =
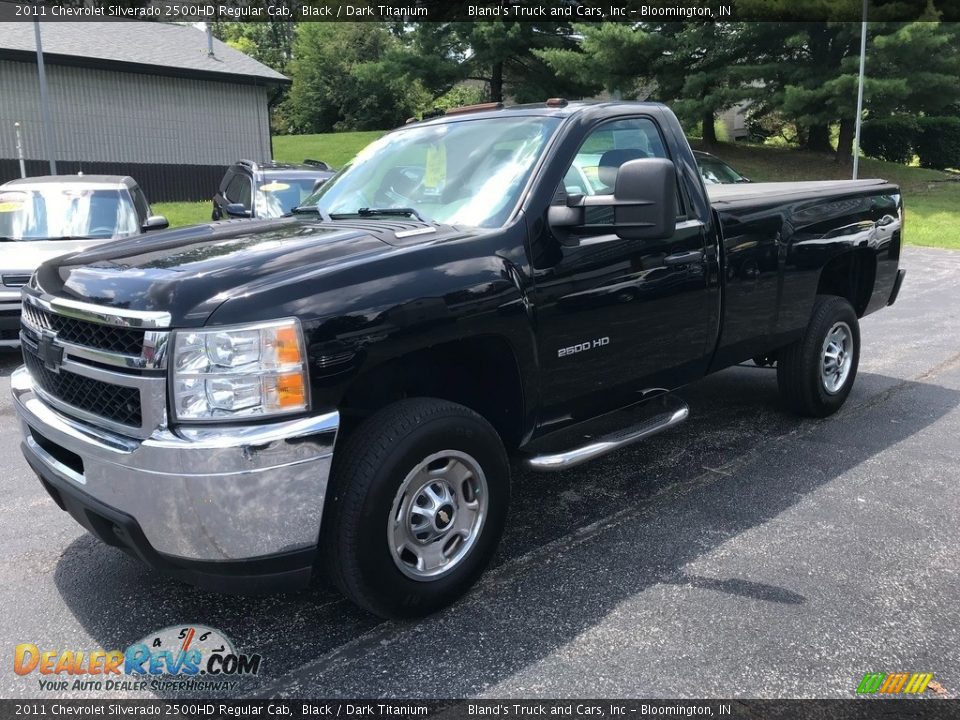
(240, 402)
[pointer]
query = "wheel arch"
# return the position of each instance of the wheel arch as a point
(851, 275)
(482, 373)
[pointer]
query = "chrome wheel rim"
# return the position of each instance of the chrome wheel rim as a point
(836, 358)
(437, 515)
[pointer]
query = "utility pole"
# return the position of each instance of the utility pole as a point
(863, 59)
(44, 101)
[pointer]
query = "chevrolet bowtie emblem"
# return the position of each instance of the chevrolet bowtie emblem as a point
(51, 354)
(444, 518)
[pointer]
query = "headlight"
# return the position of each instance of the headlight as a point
(239, 371)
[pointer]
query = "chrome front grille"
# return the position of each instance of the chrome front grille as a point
(100, 365)
(114, 402)
(125, 341)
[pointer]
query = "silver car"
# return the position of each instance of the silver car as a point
(43, 217)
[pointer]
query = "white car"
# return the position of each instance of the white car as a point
(43, 217)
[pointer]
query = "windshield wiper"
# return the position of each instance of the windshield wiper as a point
(402, 212)
(310, 210)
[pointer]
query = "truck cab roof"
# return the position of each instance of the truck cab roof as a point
(551, 108)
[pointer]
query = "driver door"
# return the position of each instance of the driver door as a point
(618, 317)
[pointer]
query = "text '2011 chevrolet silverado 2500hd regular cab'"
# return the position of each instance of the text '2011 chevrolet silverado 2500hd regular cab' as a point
(240, 402)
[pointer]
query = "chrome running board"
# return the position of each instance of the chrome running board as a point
(648, 419)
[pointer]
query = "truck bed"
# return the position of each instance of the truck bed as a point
(734, 195)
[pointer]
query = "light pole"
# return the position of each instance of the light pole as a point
(863, 59)
(23, 165)
(44, 101)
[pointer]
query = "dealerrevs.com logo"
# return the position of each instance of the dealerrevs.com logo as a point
(191, 657)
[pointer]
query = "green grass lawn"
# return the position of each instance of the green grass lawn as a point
(335, 149)
(932, 198)
(933, 217)
(184, 213)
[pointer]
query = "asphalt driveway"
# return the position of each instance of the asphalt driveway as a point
(746, 553)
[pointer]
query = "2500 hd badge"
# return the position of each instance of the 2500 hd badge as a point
(582, 347)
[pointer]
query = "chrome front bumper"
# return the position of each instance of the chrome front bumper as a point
(210, 495)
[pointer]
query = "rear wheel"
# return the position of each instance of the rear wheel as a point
(815, 373)
(417, 505)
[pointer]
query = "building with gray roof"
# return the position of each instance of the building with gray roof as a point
(145, 99)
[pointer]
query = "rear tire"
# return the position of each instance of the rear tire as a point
(815, 373)
(416, 508)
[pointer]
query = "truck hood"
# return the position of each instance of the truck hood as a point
(189, 272)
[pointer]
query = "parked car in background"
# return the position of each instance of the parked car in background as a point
(43, 217)
(267, 190)
(715, 171)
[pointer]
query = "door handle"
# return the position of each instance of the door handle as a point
(684, 258)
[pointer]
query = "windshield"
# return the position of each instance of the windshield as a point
(61, 212)
(463, 173)
(718, 172)
(278, 196)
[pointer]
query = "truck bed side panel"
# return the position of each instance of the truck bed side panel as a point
(777, 244)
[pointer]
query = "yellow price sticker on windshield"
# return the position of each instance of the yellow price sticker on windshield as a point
(10, 206)
(436, 170)
(274, 187)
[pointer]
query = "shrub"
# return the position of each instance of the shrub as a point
(460, 95)
(891, 138)
(938, 142)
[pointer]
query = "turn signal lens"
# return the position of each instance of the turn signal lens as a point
(290, 391)
(288, 345)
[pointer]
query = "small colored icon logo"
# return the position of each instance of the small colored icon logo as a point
(894, 683)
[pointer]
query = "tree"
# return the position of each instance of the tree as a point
(808, 72)
(914, 68)
(350, 76)
(504, 55)
(693, 66)
(269, 42)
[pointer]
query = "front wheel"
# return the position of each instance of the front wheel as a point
(815, 373)
(417, 505)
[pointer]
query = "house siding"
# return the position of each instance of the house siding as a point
(174, 135)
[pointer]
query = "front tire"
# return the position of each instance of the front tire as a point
(417, 505)
(816, 373)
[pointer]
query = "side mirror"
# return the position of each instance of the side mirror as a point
(645, 200)
(237, 210)
(155, 222)
(643, 206)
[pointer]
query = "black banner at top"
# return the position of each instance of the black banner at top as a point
(626, 11)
